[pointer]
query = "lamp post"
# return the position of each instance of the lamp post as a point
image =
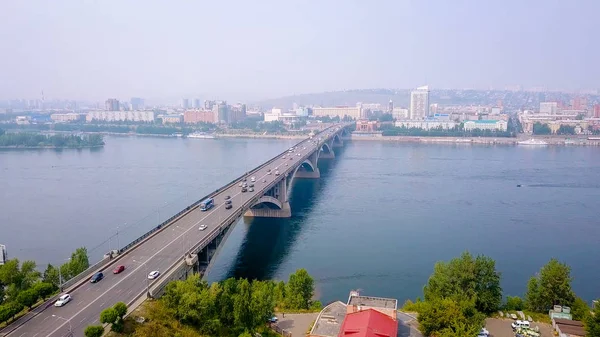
(147, 282)
(68, 321)
(182, 241)
(60, 282)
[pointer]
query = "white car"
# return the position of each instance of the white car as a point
(64, 299)
(153, 275)
(252, 179)
(202, 227)
(276, 173)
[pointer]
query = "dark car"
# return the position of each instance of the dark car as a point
(227, 197)
(97, 277)
(227, 202)
(119, 269)
(228, 206)
(244, 189)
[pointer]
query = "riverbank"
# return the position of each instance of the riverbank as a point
(258, 135)
(19, 147)
(550, 140)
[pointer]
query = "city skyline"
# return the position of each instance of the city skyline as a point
(108, 49)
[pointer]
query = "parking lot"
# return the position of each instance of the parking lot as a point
(501, 328)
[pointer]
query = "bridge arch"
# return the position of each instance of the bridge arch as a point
(267, 201)
(326, 148)
(337, 138)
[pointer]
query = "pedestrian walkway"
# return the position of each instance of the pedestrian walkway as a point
(297, 324)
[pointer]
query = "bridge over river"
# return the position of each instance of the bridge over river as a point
(177, 247)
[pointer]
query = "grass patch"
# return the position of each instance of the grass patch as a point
(537, 317)
(410, 306)
(311, 326)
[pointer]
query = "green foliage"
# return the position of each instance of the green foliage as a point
(551, 286)
(579, 309)
(94, 331)
(18, 278)
(566, 130)
(9, 310)
(51, 275)
(28, 297)
(108, 316)
(245, 334)
(417, 306)
(121, 309)
(156, 130)
(592, 323)
(449, 317)
(24, 139)
(466, 278)
(300, 289)
(541, 129)
(514, 303)
(227, 308)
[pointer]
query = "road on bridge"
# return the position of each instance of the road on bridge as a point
(159, 252)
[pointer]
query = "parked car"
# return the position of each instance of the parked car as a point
(64, 299)
(119, 269)
(153, 275)
(97, 277)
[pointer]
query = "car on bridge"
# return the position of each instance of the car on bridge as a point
(227, 197)
(249, 190)
(97, 277)
(202, 227)
(228, 206)
(276, 173)
(153, 275)
(64, 299)
(228, 202)
(244, 190)
(119, 269)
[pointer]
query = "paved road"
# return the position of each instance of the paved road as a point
(160, 252)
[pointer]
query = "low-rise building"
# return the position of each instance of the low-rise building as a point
(121, 116)
(426, 124)
(171, 119)
(67, 117)
(486, 124)
(367, 126)
(22, 120)
(352, 112)
(568, 328)
(198, 116)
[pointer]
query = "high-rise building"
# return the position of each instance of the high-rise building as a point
(220, 111)
(185, 103)
(419, 103)
(597, 111)
(137, 103)
(197, 103)
(390, 106)
(208, 105)
(112, 104)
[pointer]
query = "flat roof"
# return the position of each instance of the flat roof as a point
(330, 319)
(376, 302)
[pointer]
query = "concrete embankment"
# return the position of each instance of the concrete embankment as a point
(550, 140)
(252, 135)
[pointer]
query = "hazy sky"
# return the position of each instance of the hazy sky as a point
(263, 49)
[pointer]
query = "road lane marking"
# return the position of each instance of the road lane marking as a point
(82, 320)
(158, 252)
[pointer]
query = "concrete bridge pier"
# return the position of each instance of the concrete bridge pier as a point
(308, 169)
(303, 174)
(274, 204)
(327, 155)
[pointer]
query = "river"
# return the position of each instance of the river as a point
(378, 219)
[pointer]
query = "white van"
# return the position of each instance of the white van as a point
(520, 324)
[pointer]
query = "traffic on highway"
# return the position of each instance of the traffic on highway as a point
(133, 273)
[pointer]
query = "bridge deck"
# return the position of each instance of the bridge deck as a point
(159, 252)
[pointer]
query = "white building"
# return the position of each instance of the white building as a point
(494, 125)
(550, 108)
(67, 117)
(426, 124)
(400, 113)
(419, 103)
(112, 116)
(352, 112)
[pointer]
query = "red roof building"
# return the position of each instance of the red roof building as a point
(368, 323)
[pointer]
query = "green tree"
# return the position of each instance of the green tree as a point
(280, 294)
(108, 316)
(514, 303)
(44, 289)
(9, 310)
(94, 331)
(466, 278)
(29, 274)
(51, 275)
(300, 290)
(532, 296)
(226, 301)
(541, 129)
(579, 309)
(245, 334)
(263, 300)
(242, 306)
(553, 287)
(10, 273)
(79, 261)
(449, 317)
(592, 323)
(28, 297)
(121, 309)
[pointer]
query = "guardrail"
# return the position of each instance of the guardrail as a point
(91, 269)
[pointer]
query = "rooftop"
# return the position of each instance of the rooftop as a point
(376, 302)
(483, 121)
(369, 323)
(330, 320)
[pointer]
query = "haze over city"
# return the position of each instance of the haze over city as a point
(254, 50)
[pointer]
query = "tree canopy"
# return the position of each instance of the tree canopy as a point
(551, 286)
